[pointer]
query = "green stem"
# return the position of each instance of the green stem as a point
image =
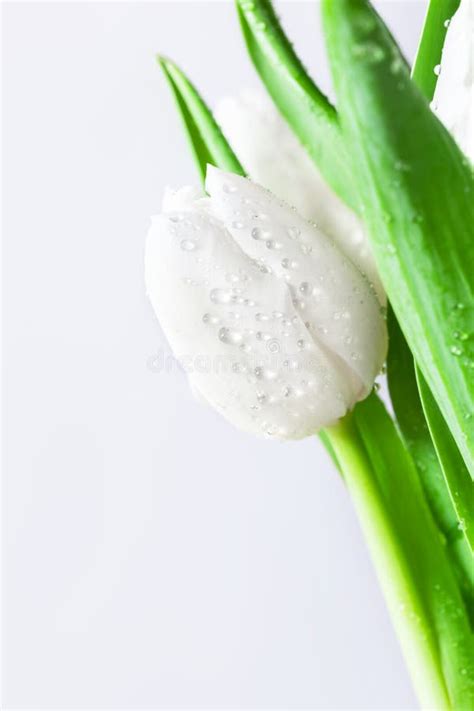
(409, 556)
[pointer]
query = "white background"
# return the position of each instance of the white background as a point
(153, 556)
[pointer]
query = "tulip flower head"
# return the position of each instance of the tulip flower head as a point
(280, 331)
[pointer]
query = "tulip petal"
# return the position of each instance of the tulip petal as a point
(454, 97)
(330, 294)
(253, 127)
(236, 330)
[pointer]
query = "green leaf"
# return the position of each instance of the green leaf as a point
(306, 109)
(416, 193)
(457, 477)
(432, 40)
(414, 571)
(403, 388)
(206, 138)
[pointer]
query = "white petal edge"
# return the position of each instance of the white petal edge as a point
(454, 97)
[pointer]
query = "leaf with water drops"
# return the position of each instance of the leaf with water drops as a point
(457, 477)
(306, 109)
(411, 420)
(425, 252)
(426, 66)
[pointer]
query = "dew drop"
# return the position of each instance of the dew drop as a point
(229, 336)
(305, 288)
(456, 350)
(437, 69)
(262, 317)
(293, 232)
(209, 318)
(222, 296)
(300, 344)
(188, 245)
(271, 244)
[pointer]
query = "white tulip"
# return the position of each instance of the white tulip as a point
(277, 328)
(454, 97)
(274, 158)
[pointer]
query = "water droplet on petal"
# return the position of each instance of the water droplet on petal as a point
(188, 245)
(209, 318)
(293, 232)
(305, 288)
(271, 244)
(222, 296)
(229, 336)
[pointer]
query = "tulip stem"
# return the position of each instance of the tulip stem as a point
(408, 554)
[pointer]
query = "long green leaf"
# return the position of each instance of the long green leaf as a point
(432, 39)
(457, 478)
(206, 138)
(307, 110)
(411, 560)
(416, 192)
(459, 482)
(403, 388)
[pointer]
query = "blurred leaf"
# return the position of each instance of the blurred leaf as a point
(416, 192)
(206, 138)
(307, 110)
